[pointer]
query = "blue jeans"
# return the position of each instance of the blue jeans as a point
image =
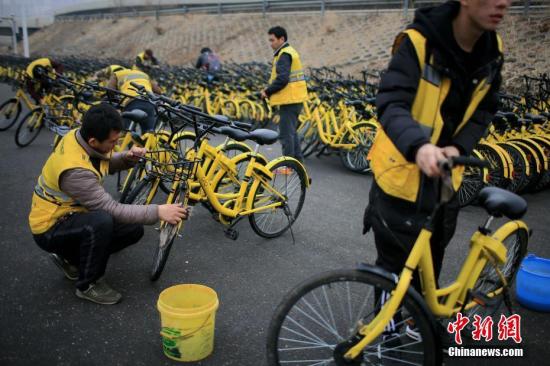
(148, 124)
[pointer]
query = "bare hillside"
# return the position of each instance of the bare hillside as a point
(351, 41)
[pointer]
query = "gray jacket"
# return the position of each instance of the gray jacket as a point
(84, 186)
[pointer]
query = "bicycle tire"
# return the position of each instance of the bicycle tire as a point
(536, 150)
(131, 181)
(307, 317)
(496, 176)
(167, 234)
(356, 159)
(545, 179)
(489, 282)
(519, 176)
(472, 183)
(286, 214)
(139, 195)
(32, 127)
(531, 159)
(7, 116)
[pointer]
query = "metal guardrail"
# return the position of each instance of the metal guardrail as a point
(269, 6)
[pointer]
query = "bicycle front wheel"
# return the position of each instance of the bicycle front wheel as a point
(9, 113)
(167, 234)
(29, 127)
(287, 187)
(318, 322)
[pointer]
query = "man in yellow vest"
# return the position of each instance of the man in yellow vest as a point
(75, 219)
(435, 101)
(39, 75)
(145, 61)
(122, 80)
(287, 90)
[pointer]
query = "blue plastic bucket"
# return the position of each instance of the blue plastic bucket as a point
(533, 283)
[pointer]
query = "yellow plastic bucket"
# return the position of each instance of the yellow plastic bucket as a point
(187, 316)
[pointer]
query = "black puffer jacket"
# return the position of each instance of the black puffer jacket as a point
(399, 84)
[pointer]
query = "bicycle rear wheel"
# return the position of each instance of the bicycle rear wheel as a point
(289, 180)
(9, 113)
(318, 321)
(356, 159)
(29, 127)
(489, 282)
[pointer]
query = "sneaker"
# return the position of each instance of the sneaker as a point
(101, 293)
(413, 332)
(70, 271)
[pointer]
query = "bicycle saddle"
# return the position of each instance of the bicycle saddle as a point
(263, 136)
(221, 117)
(135, 115)
(538, 119)
(235, 134)
(498, 202)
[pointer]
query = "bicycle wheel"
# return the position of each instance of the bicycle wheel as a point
(535, 157)
(318, 321)
(489, 282)
(141, 194)
(362, 136)
(131, 181)
(289, 180)
(9, 113)
(545, 179)
(519, 177)
(472, 183)
(496, 176)
(167, 234)
(29, 127)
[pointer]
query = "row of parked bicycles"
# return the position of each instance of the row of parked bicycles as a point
(339, 117)
(233, 180)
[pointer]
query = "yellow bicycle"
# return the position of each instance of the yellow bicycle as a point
(365, 316)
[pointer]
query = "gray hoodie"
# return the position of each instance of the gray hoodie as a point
(84, 186)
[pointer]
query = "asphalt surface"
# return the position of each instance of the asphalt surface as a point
(42, 322)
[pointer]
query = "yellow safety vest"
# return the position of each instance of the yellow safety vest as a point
(145, 62)
(44, 62)
(296, 89)
(126, 76)
(49, 203)
(393, 173)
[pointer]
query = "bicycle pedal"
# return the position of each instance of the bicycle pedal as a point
(484, 300)
(231, 234)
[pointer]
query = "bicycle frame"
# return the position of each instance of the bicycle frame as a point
(483, 248)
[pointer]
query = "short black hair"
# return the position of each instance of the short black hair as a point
(149, 52)
(205, 49)
(278, 32)
(99, 121)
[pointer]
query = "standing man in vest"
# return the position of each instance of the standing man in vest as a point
(75, 219)
(435, 101)
(122, 79)
(145, 61)
(287, 89)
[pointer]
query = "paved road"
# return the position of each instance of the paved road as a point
(42, 322)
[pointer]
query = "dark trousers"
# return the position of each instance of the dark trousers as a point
(86, 240)
(396, 225)
(288, 136)
(148, 124)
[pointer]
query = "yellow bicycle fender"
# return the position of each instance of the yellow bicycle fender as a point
(485, 173)
(288, 158)
(233, 142)
(509, 228)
